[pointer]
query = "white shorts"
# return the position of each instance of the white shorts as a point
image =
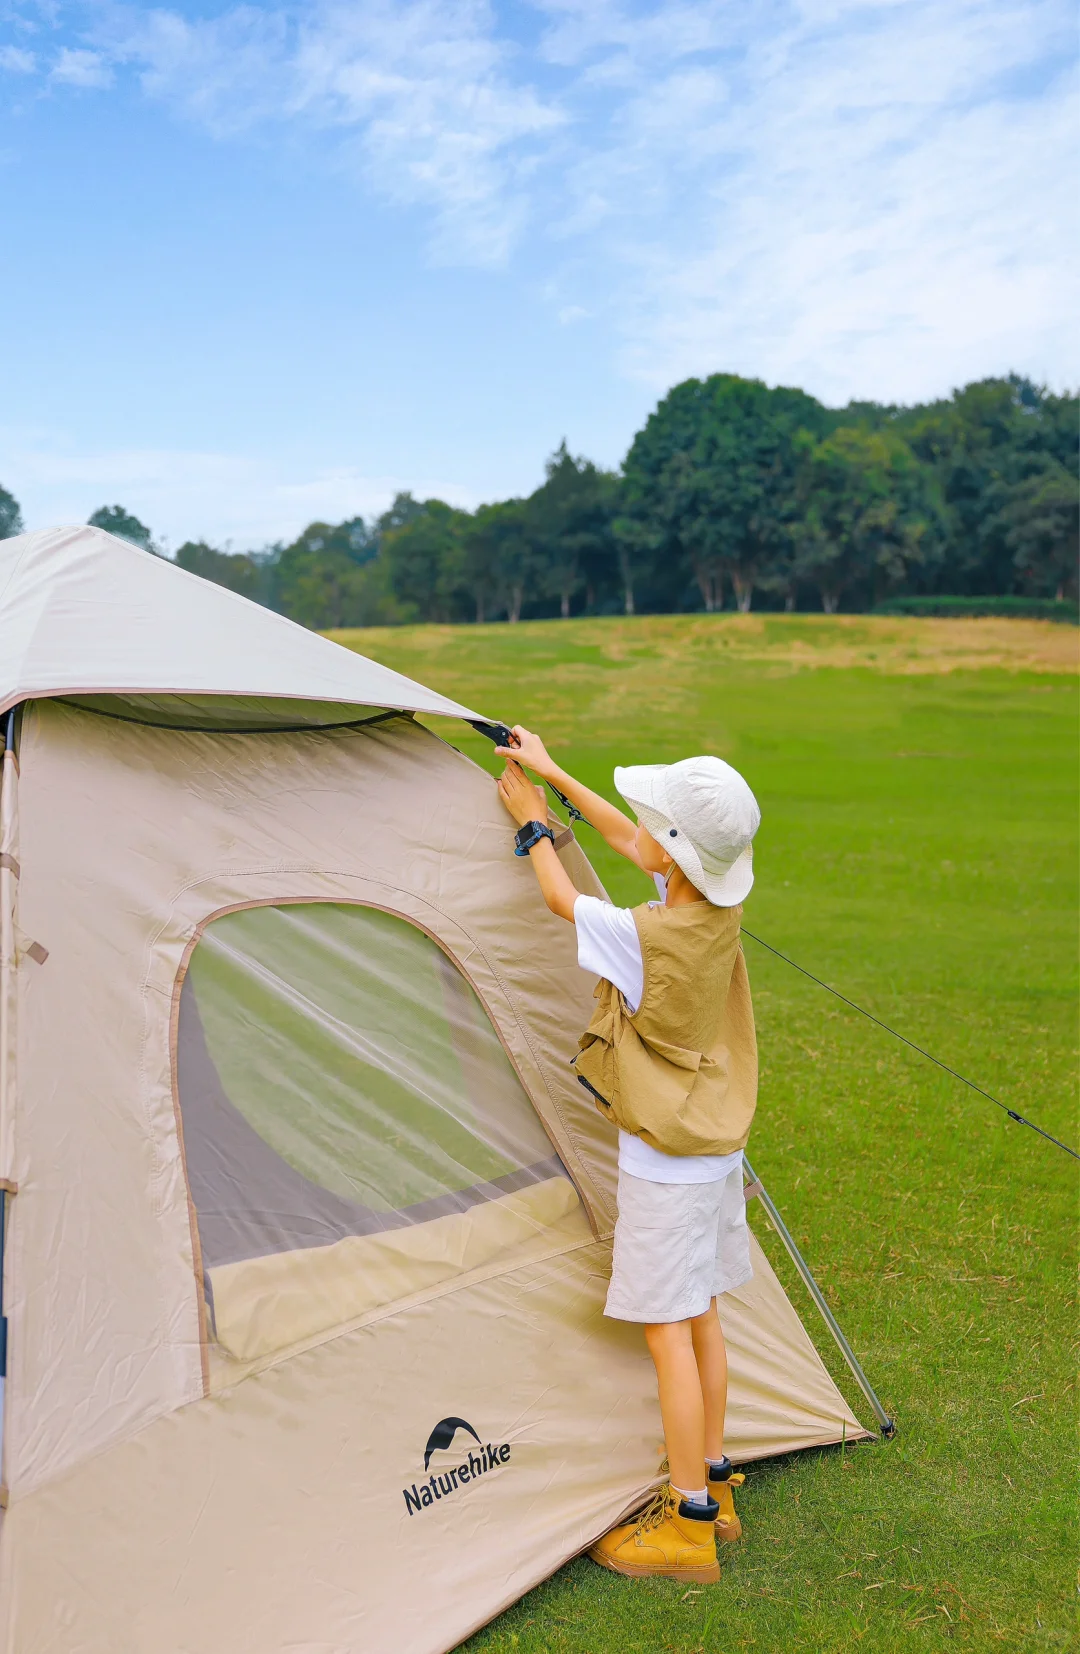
(677, 1245)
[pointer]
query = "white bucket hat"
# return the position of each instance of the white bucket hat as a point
(704, 815)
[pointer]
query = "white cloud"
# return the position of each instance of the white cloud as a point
(866, 197)
(187, 495)
(613, 44)
(419, 95)
(903, 274)
(17, 61)
(75, 66)
(228, 73)
(443, 123)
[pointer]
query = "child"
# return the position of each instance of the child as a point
(670, 1057)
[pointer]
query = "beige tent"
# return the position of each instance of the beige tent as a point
(307, 1224)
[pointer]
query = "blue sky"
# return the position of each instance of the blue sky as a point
(267, 263)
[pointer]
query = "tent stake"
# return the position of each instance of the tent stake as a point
(888, 1428)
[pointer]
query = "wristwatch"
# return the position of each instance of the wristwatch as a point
(530, 834)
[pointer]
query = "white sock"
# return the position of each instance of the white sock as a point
(693, 1496)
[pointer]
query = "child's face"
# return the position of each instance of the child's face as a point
(653, 857)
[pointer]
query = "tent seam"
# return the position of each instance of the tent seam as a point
(494, 1271)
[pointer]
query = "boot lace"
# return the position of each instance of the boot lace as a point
(655, 1511)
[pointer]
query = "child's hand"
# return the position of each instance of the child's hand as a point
(524, 801)
(530, 751)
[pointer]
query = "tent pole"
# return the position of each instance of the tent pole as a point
(888, 1428)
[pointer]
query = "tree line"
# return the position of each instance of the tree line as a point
(731, 495)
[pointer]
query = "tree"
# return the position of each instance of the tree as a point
(982, 444)
(115, 519)
(869, 515)
(404, 510)
(329, 577)
(659, 499)
(636, 544)
(11, 521)
(236, 571)
(750, 454)
(425, 558)
(729, 484)
(571, 516)
(1041, 526)
(499, 558)
(711, 479)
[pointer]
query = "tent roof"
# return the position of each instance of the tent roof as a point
(84, 614)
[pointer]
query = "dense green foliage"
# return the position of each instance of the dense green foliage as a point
(116, 520)
(1026, 608)
(918, 850)
(235, 571)
(732, 494)
(10, 515)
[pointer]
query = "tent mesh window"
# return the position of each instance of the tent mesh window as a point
(354, 1132)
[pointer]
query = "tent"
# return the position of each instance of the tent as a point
(307, 1225)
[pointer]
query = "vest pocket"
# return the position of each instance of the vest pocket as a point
(656, 1082)
(677, 1055)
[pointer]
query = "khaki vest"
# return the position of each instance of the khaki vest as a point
(681, 1073)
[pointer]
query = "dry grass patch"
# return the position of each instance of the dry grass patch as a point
(895, 644)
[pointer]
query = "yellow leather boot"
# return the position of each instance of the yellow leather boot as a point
(721, 1481)
(670, 1537)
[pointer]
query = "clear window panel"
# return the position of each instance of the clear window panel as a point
(340, 1081)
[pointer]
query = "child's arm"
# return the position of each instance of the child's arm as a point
(619, 831)
(527, 803)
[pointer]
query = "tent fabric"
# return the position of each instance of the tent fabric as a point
(272, 1516)
(85, 614)
(279, 1477)
(9, 871)
(133, 840)
(266, 1305)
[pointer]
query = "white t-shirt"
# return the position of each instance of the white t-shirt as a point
(608, 946)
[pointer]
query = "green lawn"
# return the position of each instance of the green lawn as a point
(918, 849)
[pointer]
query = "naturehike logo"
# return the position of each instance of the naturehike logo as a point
(443, 1436)
(459, 1476)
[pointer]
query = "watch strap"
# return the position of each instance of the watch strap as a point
(528, 835)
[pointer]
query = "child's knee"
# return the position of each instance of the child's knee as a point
(662, 1336)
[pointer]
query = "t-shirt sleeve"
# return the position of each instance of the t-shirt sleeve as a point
(608, 946)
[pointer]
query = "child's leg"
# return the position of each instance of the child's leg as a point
(682, 1404)
(710, 1353)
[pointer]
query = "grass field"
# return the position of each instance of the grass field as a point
(918, 849)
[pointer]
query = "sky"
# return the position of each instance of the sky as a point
(262, 264)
